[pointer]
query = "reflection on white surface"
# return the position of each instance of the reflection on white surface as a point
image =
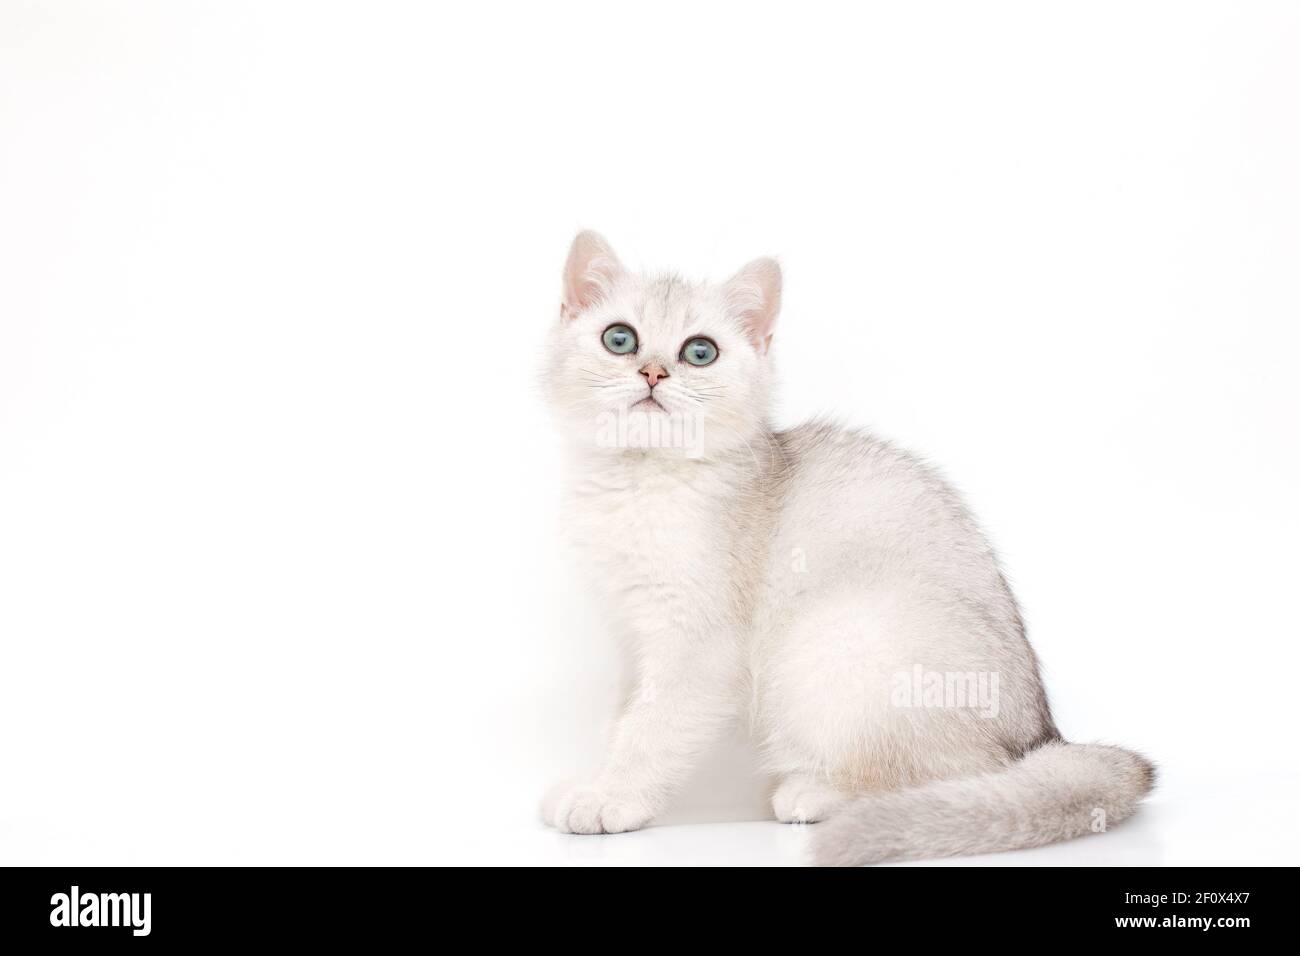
(1244, 821)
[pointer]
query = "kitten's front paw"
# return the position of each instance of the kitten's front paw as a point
(591, 810)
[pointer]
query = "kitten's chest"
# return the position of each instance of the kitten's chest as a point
(652, 536)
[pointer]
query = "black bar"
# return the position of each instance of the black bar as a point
(1226, 907)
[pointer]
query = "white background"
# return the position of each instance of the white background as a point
(278, 572)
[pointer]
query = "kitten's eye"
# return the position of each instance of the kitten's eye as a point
(699, 351)
(619, 339)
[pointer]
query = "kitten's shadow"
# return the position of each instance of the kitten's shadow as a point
(725, 787)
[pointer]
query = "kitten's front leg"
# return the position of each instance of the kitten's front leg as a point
(685, 695)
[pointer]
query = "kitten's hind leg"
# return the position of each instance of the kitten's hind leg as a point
(804, 798)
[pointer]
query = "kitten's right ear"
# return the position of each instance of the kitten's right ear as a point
(589, 274)
(755, 295)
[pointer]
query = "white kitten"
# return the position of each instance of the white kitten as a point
(819, 583)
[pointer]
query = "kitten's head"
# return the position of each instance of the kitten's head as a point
(656, 362)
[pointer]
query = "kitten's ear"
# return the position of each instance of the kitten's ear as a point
(755, 297)
(589, 273)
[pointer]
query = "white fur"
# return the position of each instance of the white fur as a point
(787, 579)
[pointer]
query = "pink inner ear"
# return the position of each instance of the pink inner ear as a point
(755, 296)
(589, 273)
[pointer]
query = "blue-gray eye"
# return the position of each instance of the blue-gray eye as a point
(699, 351)
(619, 339)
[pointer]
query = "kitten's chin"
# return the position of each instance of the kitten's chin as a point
(648, 425)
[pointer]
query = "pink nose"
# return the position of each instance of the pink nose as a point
(653, 372)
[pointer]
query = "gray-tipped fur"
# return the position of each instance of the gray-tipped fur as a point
(1057, 792)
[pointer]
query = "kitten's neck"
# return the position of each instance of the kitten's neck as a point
(754, 460)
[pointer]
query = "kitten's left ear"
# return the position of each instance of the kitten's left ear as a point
(755, 296)
(589, 273)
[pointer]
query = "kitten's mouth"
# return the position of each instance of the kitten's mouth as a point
(648, 403)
